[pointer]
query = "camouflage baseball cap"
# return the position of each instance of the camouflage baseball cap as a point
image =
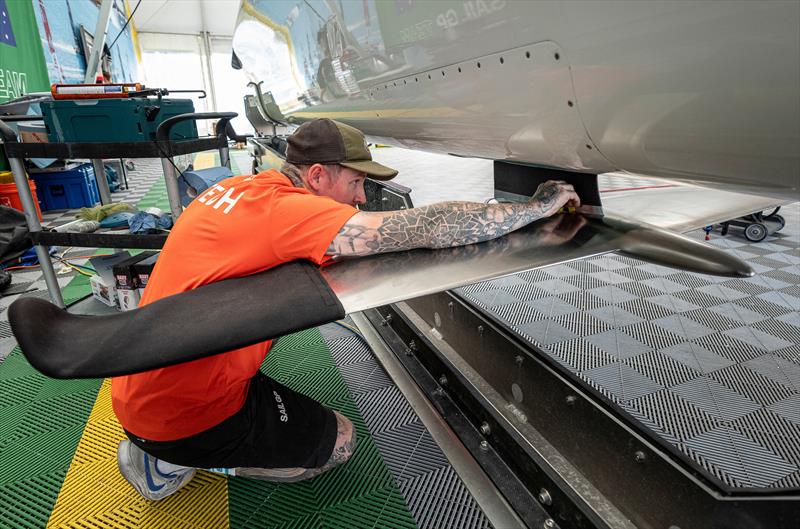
(326, 141)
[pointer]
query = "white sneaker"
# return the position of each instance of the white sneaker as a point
(142, 471)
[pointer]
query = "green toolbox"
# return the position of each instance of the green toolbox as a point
(115, 120)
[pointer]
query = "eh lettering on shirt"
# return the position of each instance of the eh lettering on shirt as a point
(212, 198)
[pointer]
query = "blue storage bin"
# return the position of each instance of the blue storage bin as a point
(68, 188)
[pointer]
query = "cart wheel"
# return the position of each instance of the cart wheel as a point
(755, 232)
(780, 219)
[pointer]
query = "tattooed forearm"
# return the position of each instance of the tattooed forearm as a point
(451, 224)
(436, 226)
(447, 224)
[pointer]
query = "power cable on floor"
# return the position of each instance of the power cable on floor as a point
(354, 331)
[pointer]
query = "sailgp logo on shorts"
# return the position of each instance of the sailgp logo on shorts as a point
(281, 407)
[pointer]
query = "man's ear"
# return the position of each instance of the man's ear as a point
(313, 176)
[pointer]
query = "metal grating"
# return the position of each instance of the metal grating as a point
(688, 280)
(752, 384)
(793, 290)
(769, 263)
(534, 276)
(438, 501)
(779, 328)
(653, 335)
(583, 266)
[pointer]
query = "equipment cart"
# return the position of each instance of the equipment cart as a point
(162, 147)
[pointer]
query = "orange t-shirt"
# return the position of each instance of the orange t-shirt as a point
(241, 226)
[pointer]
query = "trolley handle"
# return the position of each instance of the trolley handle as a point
(7, 133)
(231, 132)
(163, 130)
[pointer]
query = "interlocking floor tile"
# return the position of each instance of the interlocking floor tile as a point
(736, 454)
(715, 399)
(623, 381)
(697, 357)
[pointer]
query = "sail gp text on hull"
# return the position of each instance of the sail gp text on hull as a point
(470, 10)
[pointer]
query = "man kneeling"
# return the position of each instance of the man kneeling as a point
(222, 413)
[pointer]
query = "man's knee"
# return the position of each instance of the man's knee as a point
(343, 448)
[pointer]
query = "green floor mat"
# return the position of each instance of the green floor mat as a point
(360, 493)
(42, 419)
(156, 197)
(41, 422)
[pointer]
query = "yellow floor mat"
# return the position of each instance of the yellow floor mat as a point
(96, 496)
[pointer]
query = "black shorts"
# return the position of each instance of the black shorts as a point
(276, 428)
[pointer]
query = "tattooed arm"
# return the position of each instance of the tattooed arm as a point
(446, 224)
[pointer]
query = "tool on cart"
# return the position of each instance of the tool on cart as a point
(93, 91)
(112, 91)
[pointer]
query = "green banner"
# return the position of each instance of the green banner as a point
(22, 66)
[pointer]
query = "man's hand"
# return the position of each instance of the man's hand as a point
(552, 195)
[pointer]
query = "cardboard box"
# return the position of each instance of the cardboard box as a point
(127, 282)
(128, 299)
(32, 133)
(124, 275)
(103, 284)
(103, 292)
(142, 271)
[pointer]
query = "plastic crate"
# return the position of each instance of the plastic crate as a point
(9, 196)
(114, 120)
(72, 187)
